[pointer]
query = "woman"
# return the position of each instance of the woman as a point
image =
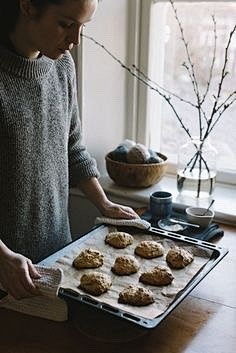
(40, 133)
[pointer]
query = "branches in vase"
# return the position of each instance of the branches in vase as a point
(210, 122)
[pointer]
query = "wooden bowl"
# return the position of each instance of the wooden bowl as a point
(136, 175)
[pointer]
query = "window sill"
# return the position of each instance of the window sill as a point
(224, 195)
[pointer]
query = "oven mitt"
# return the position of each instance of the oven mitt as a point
(137, 222)
(47, 305)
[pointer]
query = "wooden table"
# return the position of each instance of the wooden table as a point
(205, 322)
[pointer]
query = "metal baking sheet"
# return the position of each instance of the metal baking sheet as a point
(217, 254)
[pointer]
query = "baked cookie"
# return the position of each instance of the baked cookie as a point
(95, 283)
(119, 240)
(88, 258)
(125, 265)
(149, 249)
(178, 258)
(137, 296)
(158, 276)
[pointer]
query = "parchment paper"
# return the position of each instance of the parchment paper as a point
(163, 295)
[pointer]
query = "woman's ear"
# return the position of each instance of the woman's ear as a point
(27, 8)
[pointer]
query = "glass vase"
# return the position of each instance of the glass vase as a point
(196, 171)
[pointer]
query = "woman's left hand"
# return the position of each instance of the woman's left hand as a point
(114, 210)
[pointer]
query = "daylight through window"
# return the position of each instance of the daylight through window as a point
(166, 58)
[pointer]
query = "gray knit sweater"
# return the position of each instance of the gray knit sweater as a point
(40, 152)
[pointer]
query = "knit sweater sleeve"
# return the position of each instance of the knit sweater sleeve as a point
(81, 164)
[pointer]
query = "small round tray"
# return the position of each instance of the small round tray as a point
(170, 226)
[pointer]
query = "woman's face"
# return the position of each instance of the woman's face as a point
(58, 28)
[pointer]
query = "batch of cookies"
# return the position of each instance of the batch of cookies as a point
(97, 283)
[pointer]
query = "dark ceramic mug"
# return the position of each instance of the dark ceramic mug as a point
(160, 205)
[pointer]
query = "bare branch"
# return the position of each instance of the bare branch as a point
(165, 90)
(212, 63)
(191, 72)
(167, 99)
(225, 101)
(191, 69)
(223, 75)
(225, 107)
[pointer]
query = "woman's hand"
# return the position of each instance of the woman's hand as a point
(16, 274)
(114, 210)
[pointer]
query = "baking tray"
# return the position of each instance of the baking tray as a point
(217, 255)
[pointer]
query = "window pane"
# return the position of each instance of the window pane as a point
(197, 23)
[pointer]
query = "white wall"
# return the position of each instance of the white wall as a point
(104, 96)
(104, 81)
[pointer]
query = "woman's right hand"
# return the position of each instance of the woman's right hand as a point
(16, 274)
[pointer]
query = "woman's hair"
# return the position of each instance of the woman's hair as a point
(9, 13)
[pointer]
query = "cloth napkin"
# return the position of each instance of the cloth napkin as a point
(137, 222)
(206, 234)
(48, 305)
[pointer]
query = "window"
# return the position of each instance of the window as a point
(166, 55)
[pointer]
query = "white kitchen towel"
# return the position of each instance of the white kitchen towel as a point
(137, 222)
(47, 305)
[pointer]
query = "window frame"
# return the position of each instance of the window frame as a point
(147, 106)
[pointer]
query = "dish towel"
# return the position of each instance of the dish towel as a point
(137, 222)
(213, 230)
(48, 305)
